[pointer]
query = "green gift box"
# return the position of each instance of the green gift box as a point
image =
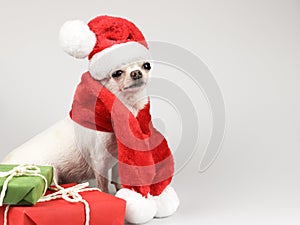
(26, 183)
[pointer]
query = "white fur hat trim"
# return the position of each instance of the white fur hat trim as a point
(105, 62)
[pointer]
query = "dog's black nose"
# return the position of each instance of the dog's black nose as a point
(136, 74)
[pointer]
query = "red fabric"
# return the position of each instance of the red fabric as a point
(113, 30)
(105, 210)
(145, 160)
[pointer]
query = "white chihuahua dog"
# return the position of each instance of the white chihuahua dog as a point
(78, 153)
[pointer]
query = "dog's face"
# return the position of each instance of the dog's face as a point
(129, 79)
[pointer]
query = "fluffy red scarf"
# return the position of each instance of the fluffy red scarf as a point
(145, 161)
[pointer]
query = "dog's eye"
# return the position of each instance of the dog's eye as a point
(117, 73)
(146, 66)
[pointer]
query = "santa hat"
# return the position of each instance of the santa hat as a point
(108, 42)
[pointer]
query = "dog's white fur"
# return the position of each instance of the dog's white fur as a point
(78, 153)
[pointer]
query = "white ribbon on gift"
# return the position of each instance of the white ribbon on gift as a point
(72, 195)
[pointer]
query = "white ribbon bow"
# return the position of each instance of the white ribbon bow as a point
(72, 195)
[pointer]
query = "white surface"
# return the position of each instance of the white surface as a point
(252, 48)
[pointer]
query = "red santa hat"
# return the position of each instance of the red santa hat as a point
(108, 42)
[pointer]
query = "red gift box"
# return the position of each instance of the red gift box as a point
(105, 209)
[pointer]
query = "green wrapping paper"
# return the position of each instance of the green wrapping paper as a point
(25, 190)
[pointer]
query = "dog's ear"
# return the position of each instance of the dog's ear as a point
(77, 39)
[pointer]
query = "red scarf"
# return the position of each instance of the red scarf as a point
(145, 161)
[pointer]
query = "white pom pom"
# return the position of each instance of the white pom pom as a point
(167, 203)
(77, 39)
(138, 209)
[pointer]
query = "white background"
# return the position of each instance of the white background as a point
(251, 47)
